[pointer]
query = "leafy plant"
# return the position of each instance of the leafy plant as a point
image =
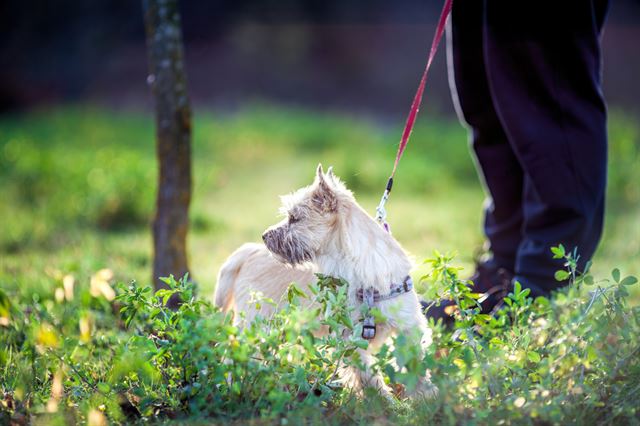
(83, 354)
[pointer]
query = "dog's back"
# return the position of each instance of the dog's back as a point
(229, 273)
(251, 268)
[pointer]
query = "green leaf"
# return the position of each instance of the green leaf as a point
(587, 266)
(558, 252)
(622, 292)
(533, 356)
(154, 313)
(361, 343)
(588, 280)
(294, 291)
(497, 341)
(562, 275)
(615, 274)
(592, 355)
(517, 288)
(630, 280)
(535, 377)
(484, 317)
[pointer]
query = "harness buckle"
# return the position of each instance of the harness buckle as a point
(369, 328)
(370, 297)
(369, 323)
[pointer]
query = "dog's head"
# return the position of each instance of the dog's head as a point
(311, 216)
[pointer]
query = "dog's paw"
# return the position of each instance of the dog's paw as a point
(387, 394)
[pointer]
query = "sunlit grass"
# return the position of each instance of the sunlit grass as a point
(78, 186)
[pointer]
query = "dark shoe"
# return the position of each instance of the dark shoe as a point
(494, 284)
(444, 311)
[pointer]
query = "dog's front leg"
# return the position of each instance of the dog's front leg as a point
(410, 322)
(359, 379)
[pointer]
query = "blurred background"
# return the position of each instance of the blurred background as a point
(276, 87)
(354, 55)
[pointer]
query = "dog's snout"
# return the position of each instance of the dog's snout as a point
(265, 235)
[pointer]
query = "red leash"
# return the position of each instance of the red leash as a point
(415, 107)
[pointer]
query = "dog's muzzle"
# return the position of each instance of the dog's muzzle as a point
(270, 239)
(285, 246)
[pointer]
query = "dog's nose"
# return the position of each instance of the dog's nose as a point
(264, 237)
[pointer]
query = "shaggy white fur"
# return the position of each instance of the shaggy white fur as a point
(327, 231)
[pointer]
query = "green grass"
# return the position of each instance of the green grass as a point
(77, 192)
(78, 187)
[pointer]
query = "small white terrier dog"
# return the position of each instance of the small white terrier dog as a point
(326, 231)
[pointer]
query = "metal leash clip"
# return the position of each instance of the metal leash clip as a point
(381, 213)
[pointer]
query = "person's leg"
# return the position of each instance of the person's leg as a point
(543, 66)
(496, 160)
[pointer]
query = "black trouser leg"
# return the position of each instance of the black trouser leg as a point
(543, 66)
(496, 161)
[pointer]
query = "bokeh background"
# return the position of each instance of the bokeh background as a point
(277, 86)
(353, 55)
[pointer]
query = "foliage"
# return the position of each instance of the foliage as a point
(77, 194)
(567, 359)
(89, 354)
(134, 358)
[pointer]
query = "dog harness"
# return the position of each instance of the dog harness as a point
(370, 296)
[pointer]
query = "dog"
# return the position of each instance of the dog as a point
(325, 231)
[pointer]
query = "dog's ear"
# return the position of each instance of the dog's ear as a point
(324, 199)
(319, 173)
(329, 177)
(321, 177)
(323, 196)
(330, 174)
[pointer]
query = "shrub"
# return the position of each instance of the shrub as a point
(92, 355)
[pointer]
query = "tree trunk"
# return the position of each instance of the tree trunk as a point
(168, 83)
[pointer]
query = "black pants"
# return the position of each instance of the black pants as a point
(528, 82)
